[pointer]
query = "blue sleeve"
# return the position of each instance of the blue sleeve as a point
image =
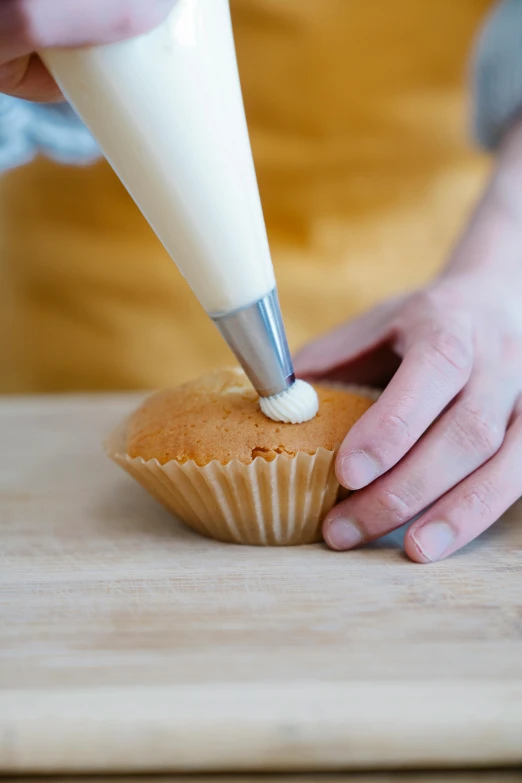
(497, 74)
(53, 130)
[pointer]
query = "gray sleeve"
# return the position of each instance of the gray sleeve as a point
(497, 73)
(53, 130)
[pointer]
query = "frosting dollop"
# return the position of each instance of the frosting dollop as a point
(297, 404)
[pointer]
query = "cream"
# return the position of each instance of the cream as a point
(167, 111)
(299, 403)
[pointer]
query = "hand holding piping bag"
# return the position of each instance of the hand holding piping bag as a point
(187, 162)
(445, 438)
(28, 27)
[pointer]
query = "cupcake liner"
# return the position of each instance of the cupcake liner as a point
(265, 503)
(277, 503)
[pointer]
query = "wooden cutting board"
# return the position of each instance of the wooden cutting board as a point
(130, 644)
(475, 776)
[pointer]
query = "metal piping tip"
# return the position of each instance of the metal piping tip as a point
(256, 336)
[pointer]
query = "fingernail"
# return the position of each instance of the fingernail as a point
(342, 534)
(434, 540)
(357, 470)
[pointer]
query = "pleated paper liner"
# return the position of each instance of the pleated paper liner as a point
(276, 503)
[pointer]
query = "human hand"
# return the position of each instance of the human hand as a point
(29, 26)
(445, 438)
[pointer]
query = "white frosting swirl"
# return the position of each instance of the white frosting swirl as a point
(299, 403)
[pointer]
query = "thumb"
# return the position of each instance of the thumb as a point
(354, 351)
(28, 78)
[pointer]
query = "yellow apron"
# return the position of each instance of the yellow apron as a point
(358, 117)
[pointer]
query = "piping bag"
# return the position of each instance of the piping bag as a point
(167, 111)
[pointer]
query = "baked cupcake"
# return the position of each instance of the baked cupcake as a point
(207, 453)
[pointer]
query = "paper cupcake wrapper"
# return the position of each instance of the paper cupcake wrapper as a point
(277, 503)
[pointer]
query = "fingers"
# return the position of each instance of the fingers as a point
(473, 506)
(347, 343)
(28, 26)
(28, 78)
(33, 25)
(434, 370)
(465, 437)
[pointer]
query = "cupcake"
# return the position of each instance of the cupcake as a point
(208, 454)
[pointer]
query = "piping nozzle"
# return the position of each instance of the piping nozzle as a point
(256, 336)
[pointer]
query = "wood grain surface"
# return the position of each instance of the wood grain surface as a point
(130, 644)
(477, 776)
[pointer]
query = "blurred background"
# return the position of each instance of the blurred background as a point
(359, 119)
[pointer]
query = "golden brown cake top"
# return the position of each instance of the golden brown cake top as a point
(217, 417)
